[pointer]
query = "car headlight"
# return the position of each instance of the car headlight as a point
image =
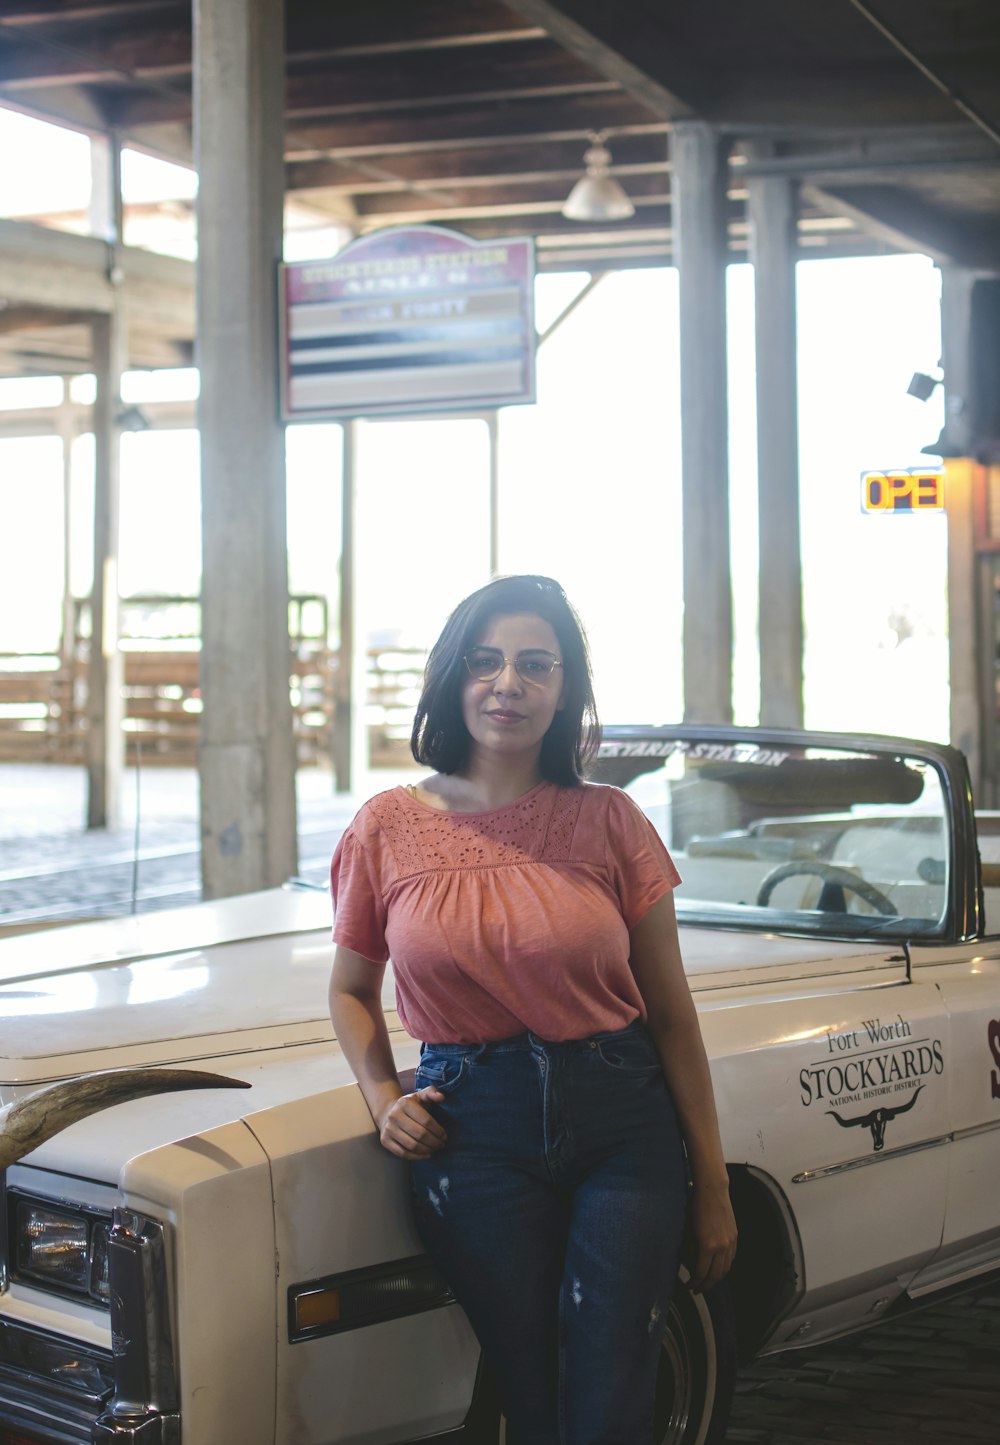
(61, 1248)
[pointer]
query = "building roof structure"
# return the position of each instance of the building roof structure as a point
(476, 114)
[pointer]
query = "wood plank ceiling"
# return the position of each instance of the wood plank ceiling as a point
(475, 114)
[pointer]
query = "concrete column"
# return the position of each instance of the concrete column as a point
(246, 762)
(772, 209)
(105, 671)
(699, 226)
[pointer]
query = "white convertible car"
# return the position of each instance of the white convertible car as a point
(234, 1263)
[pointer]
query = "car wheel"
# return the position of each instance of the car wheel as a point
(697, 1372)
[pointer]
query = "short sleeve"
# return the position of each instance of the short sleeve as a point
(641, 869)
(359, 919)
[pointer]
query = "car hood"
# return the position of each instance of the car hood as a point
(217, 979)
(247, 976)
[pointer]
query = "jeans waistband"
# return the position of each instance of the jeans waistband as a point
(530, 1042)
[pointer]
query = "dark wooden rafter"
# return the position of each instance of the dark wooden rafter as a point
(629, 44)
(481, 168)
(527, 198)
(379, 86)
(910, 224)
(109, 43)
(477, 125)
(476, 114)
(61, 12)
(29, 318)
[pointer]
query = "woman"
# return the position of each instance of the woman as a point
(530, 920)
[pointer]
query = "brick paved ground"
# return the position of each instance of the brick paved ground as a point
(52, 868)
(932, 1378)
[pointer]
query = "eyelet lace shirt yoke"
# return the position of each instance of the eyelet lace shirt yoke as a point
(502, 921)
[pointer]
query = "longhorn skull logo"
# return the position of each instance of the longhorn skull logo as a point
(877, 1119)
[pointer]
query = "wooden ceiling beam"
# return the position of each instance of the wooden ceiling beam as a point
(310, 105)
(110, 45)
(30, 60)
(421, 79)
(58, 12)
(128, 111)
(475, 167)
(627, 42)
(40, 318)
(552, 223)
(476, 125)
(881, 93)
(542, 215)
(529, 196)
(370, 22)
(902, 220)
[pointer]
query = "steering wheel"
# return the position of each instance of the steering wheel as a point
(840, 877)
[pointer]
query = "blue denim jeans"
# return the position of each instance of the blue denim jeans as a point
(556, 1211)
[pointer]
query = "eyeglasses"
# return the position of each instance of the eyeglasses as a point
(535, 665)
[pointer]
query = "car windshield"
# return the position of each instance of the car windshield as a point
(807, 839)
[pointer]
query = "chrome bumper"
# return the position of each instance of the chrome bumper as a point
(51, 1388)
(144, 1406)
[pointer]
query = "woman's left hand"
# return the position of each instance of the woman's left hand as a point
(714, 1225)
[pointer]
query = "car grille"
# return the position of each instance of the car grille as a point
(51, 1389)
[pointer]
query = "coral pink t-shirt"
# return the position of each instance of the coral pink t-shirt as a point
(503, 921)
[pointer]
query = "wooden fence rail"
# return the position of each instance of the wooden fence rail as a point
(43, 697)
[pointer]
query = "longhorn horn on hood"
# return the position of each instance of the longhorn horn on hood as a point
(27, 1123)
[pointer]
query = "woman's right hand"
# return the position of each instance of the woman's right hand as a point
(408, 1129)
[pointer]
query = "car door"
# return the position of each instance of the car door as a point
(967, 977)
(839, 1098)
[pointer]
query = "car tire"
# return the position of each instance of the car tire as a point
(697, 1372)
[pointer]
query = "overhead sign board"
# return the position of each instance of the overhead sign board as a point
(413, 318)
(915, 489)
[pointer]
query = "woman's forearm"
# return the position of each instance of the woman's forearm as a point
(359, 1024)
(672, 1020)
(685, 1065)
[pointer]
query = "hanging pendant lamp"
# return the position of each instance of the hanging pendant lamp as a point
(597, 196)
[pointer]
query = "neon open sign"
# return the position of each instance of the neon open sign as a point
(913, 490)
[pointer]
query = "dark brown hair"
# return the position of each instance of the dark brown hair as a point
(440, 738)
